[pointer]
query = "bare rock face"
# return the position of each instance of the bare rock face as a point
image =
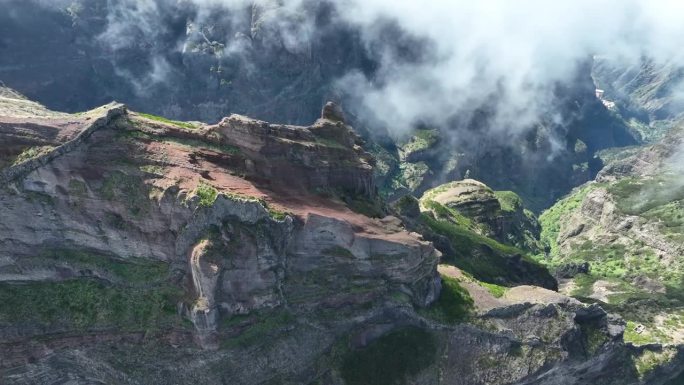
(202, 233)
(325, 155)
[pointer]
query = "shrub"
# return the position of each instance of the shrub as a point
(207, 194)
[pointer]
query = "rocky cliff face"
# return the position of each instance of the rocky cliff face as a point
(136, 249)
(123, 223)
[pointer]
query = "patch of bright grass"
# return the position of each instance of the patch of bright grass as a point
(632, 336)
(454, 304)
(162, 119)
(496, 290)
(207, 194)
(509, 200)
(32, 152)
(552, 218)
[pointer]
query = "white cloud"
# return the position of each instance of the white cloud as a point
(505, 55)
(511, 51)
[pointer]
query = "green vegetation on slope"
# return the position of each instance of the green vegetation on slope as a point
(422, 139)
(464, 239)
(32, 152)
(207, 194)
(187, 142)
(454, 304)
(636, 283)
(374, 207)
(657, 198)
(443, 212)
(87, 304)
(551, 219)
(509, 200)
(390, 359)
(133, 271)
(339, 252)
(648, 360)
(255, 329)
(484, 258)
(128, 188)
(132, 294)
(496, 290)
(499, 215)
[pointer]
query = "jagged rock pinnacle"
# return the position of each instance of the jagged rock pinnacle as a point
(332, 111)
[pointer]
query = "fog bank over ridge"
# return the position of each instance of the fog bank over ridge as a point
(436, 63)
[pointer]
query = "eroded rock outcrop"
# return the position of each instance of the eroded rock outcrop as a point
(326, 155)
